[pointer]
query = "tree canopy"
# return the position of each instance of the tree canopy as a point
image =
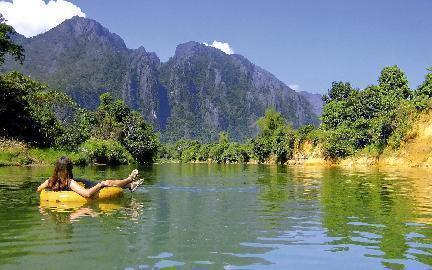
(6, 44)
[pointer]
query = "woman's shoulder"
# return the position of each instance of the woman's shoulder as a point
(73, 180)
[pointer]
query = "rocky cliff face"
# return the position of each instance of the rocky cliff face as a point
(315, 100)
(142, 89)
(199, 92)
(210, 91)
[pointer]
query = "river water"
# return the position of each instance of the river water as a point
(208, 216)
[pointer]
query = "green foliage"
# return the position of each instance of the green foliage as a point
(339, 143)
(42, 117)
(77, 131)
(423, 94)
(51, 155)
(373, 118)
(109, 118)
(18, 153)
(271, 122)
(13, 153)
(425, 89)
(36, 114)
(393, 81)
(405, 114)
(166, 152)
(139, 138)
(203, 153)
(17, 121)
(236, 153)
(216, 152)
(28, 110)
(353, 121)
(115, 121)
(276, 138)
(6, 45)
(304, 132)
(222, 151)
(261, 148)
(338, 92)
(106, 152)
(187, 150)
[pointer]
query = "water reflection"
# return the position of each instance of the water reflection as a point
(75, 211)
(209, 216)
(373, 210)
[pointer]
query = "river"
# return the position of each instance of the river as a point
(209, 216)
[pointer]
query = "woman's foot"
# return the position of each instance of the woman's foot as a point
(135, 184)
(133, 175)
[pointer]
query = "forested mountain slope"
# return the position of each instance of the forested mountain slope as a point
(197, 93)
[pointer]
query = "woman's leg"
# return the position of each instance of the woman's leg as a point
(122, 183)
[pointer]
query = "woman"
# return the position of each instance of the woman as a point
(63, 180)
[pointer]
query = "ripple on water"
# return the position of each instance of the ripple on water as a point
(206, 217)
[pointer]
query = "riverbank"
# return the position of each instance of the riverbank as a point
(415, 151)
(14, 153)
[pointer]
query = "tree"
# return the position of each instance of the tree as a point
(338, 92)
(275, 138)
(223, 138)
(109, 117)
(354, 119)
(6, 45)
(425, 89)
(115, 121)
(27, 110)
(139, 138)
(394, 82)
(271, 122)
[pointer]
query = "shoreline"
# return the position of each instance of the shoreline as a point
(349, 163)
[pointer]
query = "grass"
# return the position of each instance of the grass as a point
(50, 156)
(14, 153)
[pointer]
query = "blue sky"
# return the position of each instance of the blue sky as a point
(305, 43)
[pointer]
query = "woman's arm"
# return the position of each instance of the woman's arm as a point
(42, 186)
(87, 193)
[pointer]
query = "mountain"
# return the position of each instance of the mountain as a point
(197, 93)
(315, 100)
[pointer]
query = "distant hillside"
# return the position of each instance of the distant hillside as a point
(199, 92)
(315, 100)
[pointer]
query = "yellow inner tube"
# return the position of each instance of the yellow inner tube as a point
(71, 196)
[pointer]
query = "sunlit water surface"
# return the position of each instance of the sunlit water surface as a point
(200, 216)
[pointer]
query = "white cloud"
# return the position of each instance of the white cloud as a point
(223, 46)
(32, 17)
(295, 87)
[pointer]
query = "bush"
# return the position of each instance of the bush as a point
(76, 132)
(276, 138)
(166, 152)
(139, 138)
(216, 152)
(401, 124)
(203, 153)
(236, 153)
(190, 151)
(339, 143)
(261, 148)
(106, 151)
